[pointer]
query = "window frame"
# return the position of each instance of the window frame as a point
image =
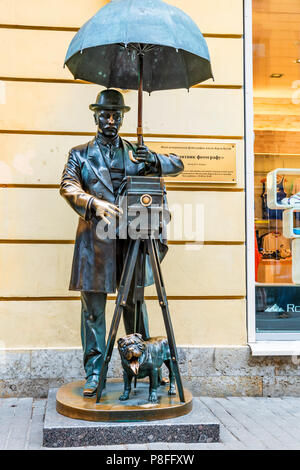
(253, 336)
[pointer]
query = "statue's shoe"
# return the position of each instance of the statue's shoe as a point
(90, 387)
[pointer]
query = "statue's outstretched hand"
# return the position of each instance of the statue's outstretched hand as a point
(105, 209)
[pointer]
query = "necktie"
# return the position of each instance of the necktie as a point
(110, 152)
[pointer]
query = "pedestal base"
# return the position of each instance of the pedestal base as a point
(71, 403)
(200, 425)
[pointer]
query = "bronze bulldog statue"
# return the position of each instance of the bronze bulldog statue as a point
(144, 359)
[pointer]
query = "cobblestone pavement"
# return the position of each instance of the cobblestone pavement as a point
(246, 423)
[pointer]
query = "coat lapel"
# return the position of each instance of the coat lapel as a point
(98, 165)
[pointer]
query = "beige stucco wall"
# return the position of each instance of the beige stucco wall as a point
(44, 114)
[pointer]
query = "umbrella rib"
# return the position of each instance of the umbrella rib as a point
(150, 79)
(169, 8)
(133, 46)
(151, 47)
(142, 48)
(175, 42)
(112, 68)
(130, 7)
(88, 26)
(184, 69)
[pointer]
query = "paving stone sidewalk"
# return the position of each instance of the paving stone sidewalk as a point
(246, 423)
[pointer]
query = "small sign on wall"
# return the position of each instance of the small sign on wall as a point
(203, 162)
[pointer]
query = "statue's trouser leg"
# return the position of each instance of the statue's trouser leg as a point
(93, 331)
(129, 316)
(129, 311)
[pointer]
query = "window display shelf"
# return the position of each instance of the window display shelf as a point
(266, 284)
(279, 155)
(262, 222)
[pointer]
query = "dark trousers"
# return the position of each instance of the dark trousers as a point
(93, 329)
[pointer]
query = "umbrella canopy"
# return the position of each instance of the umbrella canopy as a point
(107, 49)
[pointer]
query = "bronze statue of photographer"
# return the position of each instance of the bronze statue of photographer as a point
(90, 183)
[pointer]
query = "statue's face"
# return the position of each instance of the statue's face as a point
(109, 122)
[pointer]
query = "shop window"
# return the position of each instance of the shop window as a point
(276, 90)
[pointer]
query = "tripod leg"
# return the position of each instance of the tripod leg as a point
(125, 282)
(139, 290)
(138, 313)
(162, 297)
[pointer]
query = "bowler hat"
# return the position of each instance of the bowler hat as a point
(109, 99)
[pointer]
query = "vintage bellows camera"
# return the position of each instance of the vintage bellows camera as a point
(142, 201)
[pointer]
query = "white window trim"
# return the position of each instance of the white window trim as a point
(276, 348)
(260, 343)
(249, 169)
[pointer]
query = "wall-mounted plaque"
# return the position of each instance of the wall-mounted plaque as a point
(203, 162)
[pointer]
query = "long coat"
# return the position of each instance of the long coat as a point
(86, 175)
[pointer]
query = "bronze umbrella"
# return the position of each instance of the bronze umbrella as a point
(140, 45)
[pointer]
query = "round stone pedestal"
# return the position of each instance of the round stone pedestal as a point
(70, 402)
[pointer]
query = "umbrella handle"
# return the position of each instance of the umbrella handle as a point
(140, 138)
